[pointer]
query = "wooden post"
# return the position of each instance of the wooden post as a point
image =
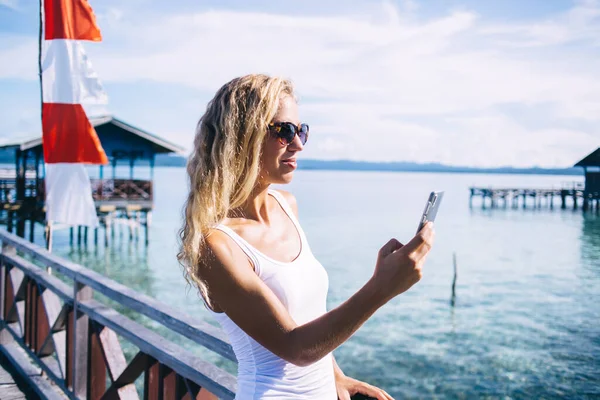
(575, 199)
(6, 250)
(453, 299)
(130, 222)
(9, 222)
(71, 235)
(563, 199)
(96, 367)
(77, 343)
(31, 228)
(168, 381)
(106, 228)
(112, 227)
(85, 235)
(524, 200)
(78, 235)
(138, 220)
(471, 198)
(96, 236)
(151, 380)
(147, 226)
(586, 203)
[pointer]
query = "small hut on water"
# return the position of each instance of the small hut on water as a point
(117, 198)
(591, 168)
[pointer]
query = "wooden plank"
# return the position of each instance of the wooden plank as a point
(30, 373)
(112, 353)
(68, 268)
(201, 332)
(51, 282)
(123, 387)
(79, 340)
(60, 346)
(48, 364)
(7, 250)
(187, 365)
(151, 380)
(9, 295)
(96, 367)
(133, 370)
(54, 311)
(168, 383)
(28, 314)
(11, 392)
(42, 321)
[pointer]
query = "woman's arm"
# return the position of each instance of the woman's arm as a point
(238, 291)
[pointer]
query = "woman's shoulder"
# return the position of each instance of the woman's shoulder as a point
(290, 199)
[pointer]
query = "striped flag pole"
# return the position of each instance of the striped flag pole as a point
(67, 84)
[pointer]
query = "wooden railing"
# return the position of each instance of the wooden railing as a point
(73, 338)
(121, 189)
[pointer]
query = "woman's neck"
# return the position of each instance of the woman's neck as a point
(255, 208)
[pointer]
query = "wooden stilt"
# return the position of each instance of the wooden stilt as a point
(106, 229)
(9, 222)
(31, 229)
(147, 226)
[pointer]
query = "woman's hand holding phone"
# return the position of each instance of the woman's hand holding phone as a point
(399, 266)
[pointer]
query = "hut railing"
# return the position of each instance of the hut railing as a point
(73, 338)
(121, 189)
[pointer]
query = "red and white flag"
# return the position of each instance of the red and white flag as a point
(68, 83)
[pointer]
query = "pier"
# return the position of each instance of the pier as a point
(67, 322)
(571, 195)
(585, 194)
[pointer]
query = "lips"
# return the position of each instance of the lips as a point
(291, 162)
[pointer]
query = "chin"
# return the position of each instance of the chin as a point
(283, 179)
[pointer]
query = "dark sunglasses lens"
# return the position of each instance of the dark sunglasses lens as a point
(287, 132)
(303, 134)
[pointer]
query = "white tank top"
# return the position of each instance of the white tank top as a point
(301, 285)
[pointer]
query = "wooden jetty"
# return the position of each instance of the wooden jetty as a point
(572, 195)
(119, 200)
(61, 328)
(586, 193)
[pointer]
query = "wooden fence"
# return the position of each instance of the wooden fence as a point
(73, 338)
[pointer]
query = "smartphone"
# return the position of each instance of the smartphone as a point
(431, 209)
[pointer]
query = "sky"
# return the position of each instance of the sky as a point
(470, 83)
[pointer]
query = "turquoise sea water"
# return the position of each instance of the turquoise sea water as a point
(526, 321)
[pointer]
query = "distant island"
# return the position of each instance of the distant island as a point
(400, 166)
(167, 160)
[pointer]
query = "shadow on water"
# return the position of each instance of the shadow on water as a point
(590, 242)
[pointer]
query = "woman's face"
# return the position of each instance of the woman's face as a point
(278, 161)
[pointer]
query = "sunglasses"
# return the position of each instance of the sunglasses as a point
(287, 131)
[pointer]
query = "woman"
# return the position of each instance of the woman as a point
(243, 247)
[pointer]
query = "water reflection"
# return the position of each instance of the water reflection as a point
(590, 242)
(124, 261)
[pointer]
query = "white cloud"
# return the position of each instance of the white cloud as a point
(14, 4)
(392, 87)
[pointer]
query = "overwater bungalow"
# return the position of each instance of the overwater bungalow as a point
(591, 168)
(118, 198)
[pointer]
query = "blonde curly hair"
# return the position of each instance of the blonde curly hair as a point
(224, 166)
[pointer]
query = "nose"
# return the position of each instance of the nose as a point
(296, 144)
